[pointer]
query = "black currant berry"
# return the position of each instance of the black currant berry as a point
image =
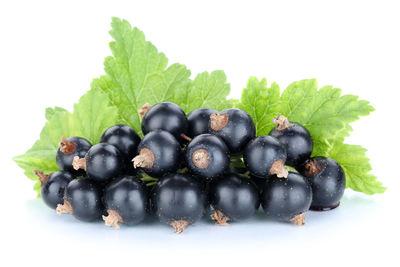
(234, 126)
(207, 156)
(233, 198)
(295, 138)
(198, 120)
(178, 200)
(327, 181)
(287, 199)
(165, 116)
(125, 201)
(103, 162)
(82, 199)
(53, 186)
(125, 139)
(265, 155)
(159, 153)
(70, 148)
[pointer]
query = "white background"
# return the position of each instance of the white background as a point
(50, 51)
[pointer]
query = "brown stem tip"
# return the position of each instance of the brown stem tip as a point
(282, 122)
(79, 163)
(64, 208)
(220, 218)
(113, 219)
(143, 110)
(185, 137)
(313, 167)
(299, 219)
(179, 225)
(42, 177)
(145, 159)
(218, 121)
(67, 147)
(201, 159)
(278, 168)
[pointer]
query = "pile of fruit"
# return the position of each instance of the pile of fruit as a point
(187, 165)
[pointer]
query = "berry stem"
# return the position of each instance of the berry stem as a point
(299, 219)
(67, 147)
(112, 219)
(145, 159)
(278, 168)
(313, 167)
(201, 159)
(147, 178)
(64, 208)
(282, 122)
(79, 163)
(143, 110)
(42, 177)
(220, 218)
(185, 137)
(218, 121)
(179, 225)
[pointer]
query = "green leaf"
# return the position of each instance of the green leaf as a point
(92, 115)
(137, 73)
(206, 90)
(51, 111)
(261, 102)
(325, 112)
(43, 153)
(356, 166)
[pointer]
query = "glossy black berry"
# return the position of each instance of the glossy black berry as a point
(125, 201)
(102, 163)
(70, 148)
(207, 156)
(159, 153)
(165, 116)
(53, 187)
(82, 199)
(234, 126)
(287, 199)
(327, 180)
(265, 155)
(295, 138)
(233, 198)
(125, 139)
(178, 200)
(198, 121)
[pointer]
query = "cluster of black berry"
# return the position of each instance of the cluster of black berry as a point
(186, 164)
